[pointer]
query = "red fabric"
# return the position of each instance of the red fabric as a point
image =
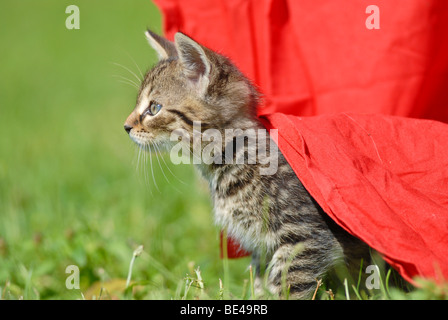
(234, 249)
(381, 178)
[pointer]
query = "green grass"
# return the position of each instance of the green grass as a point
(70, 189)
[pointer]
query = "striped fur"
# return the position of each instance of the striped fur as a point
(273, 216)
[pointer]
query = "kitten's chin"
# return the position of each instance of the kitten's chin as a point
(141, 140)
(146, 142)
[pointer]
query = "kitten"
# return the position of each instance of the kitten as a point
(270, 215)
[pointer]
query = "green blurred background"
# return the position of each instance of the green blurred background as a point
(71, 190)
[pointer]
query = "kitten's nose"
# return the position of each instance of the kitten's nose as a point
(128, 128)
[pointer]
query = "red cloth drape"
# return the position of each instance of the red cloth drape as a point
(384, 179)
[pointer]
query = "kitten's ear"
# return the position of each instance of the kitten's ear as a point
(194, 60)
(165, 49)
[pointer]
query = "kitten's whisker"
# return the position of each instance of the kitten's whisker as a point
(145, 157)
(145, 152)
(168, 167)
(156, 149)
(152, 170)
(129, 70)
(159, 154)
(138, 158)
(139, 70)
(127, 80)
(141, 165)
(141, 154)
(128, 84)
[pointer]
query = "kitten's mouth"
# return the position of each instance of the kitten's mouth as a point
(140, 138)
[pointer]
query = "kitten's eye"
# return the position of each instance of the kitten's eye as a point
(153, 108)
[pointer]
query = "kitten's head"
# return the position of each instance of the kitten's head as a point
(189, 83)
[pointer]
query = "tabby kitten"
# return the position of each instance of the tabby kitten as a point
(270, 215)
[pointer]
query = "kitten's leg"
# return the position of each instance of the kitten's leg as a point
(256, 271)
(295, 268)
(259, 265)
